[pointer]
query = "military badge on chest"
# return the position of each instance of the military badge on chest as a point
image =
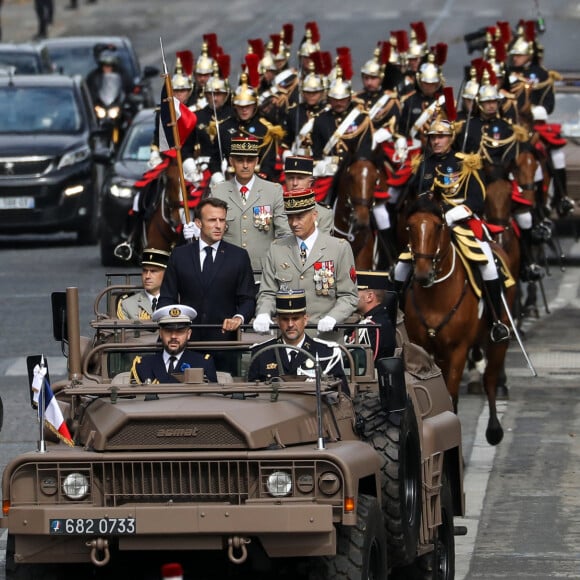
(324, 278)
(262, 217)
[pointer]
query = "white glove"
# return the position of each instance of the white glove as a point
(381, 135)
(326, 324)
(190, 231)
(224, 166)
(191, 172)
(456, 214)
(286, 153)
(154, 159)
(319, 169)
(262, 322)
(216, 178)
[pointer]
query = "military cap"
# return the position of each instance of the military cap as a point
(291, 302)
(244, 146)
(174, 316)
(370, 280)
(154, 257)
(299, 164)
(299, 200)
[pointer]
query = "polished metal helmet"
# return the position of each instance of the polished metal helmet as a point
(245, 94)
(471, 87)
(441, 126)
(487, 91)
(180, 81)
(373, 67)
(204, 65)
(308, 46)
(267, 63)
(313, 83)
(416, 50)
(522, 47)
(339, 87)
(429, 72)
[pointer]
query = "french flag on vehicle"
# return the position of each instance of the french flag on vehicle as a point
(53, 417)
(184, 118)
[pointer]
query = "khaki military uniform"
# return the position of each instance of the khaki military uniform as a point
(255, 224)
(328, 277)
(325, 218)
(135, 307)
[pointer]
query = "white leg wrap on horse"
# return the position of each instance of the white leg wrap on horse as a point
(402, 271)
(558, 158)
(394, 193)
(136, 201)
(524, 220)
(488, 271)
(539, 175)
(382, 217)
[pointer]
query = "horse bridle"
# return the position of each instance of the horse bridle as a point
(437, 256)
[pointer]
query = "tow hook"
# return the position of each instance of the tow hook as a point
(238, 544)
(100, 554)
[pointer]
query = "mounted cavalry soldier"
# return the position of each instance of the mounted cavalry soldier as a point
(453, 179)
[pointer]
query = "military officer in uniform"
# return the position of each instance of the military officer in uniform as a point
(292, 319)
(321, 265)
(255, 206)
(378, 330)
(174, 331)
(140, 306)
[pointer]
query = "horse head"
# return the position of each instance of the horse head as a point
(429, 240)
(524, 170)
(356, 188)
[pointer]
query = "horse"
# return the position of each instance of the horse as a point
(356, 182)
(442, 309)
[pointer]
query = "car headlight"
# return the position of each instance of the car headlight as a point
(279, 484)
(73, 157)
(114, 112)
(75, 486)
(122, 191)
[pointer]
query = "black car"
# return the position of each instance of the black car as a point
(27, 59)
(74, 55)
(118, 187)
(49, 180)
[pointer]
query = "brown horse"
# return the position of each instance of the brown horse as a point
(356, 183)
(441, 312)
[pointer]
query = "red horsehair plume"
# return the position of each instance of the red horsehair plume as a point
(288, 33)
(313, 27)
(440, 53)
(257, 46)
(211, 40)
(224, 65)
(385, 51)
(492, 31)
(450, 104)
(530, 30)
(316, 58)
(344, 60)
(505, 32)
(402, 41)
(500, 51)
(187, 59)
(420, 32)
(479, 65)
(276, 39)
(252, 62)
(326, 63)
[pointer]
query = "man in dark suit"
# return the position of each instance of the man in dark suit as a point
(292, 320)
(174, 331)
(212, 276)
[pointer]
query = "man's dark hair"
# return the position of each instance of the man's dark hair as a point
(213, 201)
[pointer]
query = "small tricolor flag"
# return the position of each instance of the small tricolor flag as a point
(185, 120)
(53, 417)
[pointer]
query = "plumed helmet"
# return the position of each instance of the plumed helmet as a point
(339, 87)
(204, 64)
(311, 40)
(373, 67)
(429, 72)
(522, 47)
(471, 87)
(267, 63)
(312, 82)
(441, 126)
(488, 91)
(416, 50)
(180, 81)
(217, 84)
(539, 113)
(245, 94)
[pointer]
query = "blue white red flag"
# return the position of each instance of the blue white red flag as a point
(185, 120)
(53, 417)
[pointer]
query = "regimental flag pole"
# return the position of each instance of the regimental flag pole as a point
(176, 139)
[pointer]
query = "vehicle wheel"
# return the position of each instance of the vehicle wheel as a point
(396, 437)
(16, 571)
(361, 550)
(440, 563)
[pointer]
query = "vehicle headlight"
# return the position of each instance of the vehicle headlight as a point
(329, 483)
(121, 190)
(73, 157)
(101, 112)
(279, 484)
(114, 112)
(75, 486)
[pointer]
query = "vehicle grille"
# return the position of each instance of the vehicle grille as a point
(25, 166)
(154, 481)
(176, 435)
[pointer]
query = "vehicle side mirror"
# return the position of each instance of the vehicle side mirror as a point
(103, 155)
(59, 322)
(392, 387)
(31, 362)
(150, 72)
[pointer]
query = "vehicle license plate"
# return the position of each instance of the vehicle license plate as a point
(93, 526)
(16, 203)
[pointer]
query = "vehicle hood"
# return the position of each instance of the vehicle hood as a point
(18, 145)
(129, 169)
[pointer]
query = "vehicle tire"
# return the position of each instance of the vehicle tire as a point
(16, 571)
(396, 437)
(361, 550)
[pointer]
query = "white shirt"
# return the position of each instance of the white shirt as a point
(167, 356)
(309, 241)
(202, 247)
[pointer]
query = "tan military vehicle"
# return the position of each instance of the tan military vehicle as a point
(290, 471)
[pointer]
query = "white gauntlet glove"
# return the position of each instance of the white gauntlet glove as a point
(216, 178)
(154, 159)
(320, 169)
(190, 231)
(456, 214)
(191, 172)
(326, 324)
(380, 136)
(262, 322)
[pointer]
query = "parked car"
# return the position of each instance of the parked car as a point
(28, 59)
(118, 190)
(77, 55)
(49, 180)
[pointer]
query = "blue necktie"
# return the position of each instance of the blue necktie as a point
(303, 254)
